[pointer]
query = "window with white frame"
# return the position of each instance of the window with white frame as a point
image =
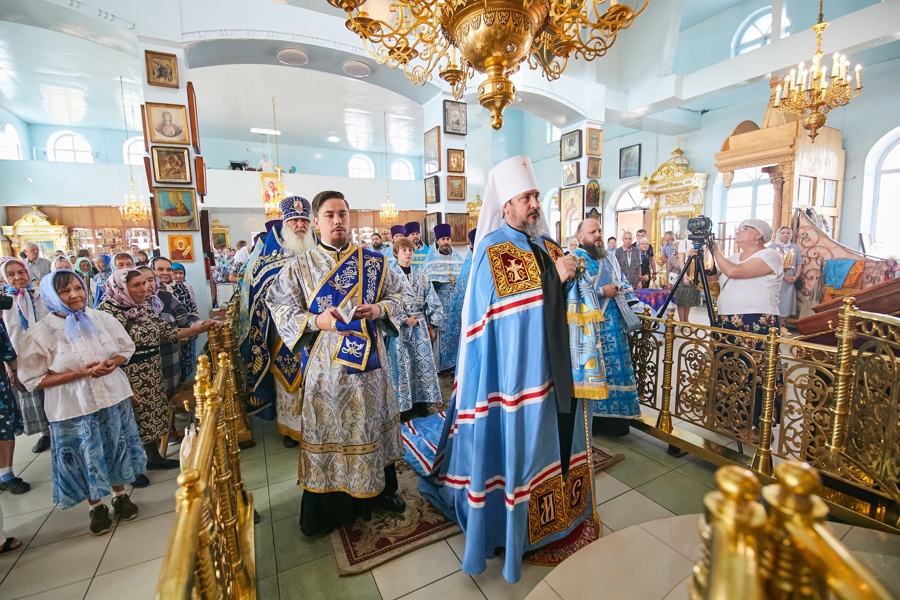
(68, 146)
(887, 202)
(10, 145)
(633, 199)
(553, 133)
(751, 196)
(361, 167)
(133, 150)
(756, 31)
(402, 170)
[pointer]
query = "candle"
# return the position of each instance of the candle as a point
(834, 63)
(793, 77)
(858, 77)
(778, 95)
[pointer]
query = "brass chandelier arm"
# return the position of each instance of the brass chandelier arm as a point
(590, 34)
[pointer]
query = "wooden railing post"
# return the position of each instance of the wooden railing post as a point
(664, 420)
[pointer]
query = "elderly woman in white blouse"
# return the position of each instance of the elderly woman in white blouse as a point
(75, 355)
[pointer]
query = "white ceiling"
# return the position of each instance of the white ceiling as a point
(310, 106)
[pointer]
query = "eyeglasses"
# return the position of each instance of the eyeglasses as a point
(742, 229)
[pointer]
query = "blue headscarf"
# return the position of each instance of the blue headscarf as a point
(25, 297)
(178, 267)
(76, 320)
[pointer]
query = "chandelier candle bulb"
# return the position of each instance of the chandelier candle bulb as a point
(859, 77)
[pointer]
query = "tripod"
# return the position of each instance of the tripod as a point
(699, 276)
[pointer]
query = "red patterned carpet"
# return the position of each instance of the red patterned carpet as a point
(367, 544)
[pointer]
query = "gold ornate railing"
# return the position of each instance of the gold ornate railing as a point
(211, 548)
(785, 554)
(839, 406)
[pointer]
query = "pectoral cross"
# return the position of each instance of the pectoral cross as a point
(514, 271)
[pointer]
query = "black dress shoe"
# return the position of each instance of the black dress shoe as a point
(393, 503)
(162, 464)
(141, 481)
(290, 442)
(42, 445)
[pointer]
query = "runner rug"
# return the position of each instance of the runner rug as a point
(364, 545)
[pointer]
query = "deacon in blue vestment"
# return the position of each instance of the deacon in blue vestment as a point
(442, 268)
(412, 362)
(453, 311)
(611, 416)
(331, 305)
(273, 372)
(511, 465)
(379, 246)
(414, 233)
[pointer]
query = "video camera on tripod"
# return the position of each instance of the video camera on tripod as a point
(701, 234)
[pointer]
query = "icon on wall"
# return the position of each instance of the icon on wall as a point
(181, 248)
(570, 145)
(168, 123)
(171, 165)
(456, 187)
(162, 69)
(455, 117)
(176, 209)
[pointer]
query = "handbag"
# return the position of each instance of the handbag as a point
(799, 283)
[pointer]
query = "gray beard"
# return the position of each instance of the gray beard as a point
(596, 252)
(293, 243)
(532, 229)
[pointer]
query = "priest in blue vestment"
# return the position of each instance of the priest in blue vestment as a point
(379, 246)
(442, 267)
(453, 311)
(511, 465)
(414, 233)
(611, 416)
(412, 362)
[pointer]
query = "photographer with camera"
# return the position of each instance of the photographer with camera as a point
(750, 282)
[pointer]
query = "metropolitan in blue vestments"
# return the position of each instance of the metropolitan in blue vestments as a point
(511, 465)
(612, 414)
(412, 363)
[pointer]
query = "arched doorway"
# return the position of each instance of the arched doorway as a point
(631, 211)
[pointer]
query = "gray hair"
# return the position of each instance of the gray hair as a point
(30, 245)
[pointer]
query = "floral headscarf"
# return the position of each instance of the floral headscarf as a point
(118, 254)
(83, 272)
(107, 269)
(24, 297)
(77, 321)
(153, 299)
(117, 294)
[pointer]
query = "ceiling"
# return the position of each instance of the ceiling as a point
(697, 11)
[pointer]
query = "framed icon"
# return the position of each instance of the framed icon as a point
(432, 220)
(162, 68)
(432, 150)
(570, 145)
(571, 210)
(456, 160)
(192, 113)
(594, 195)
(168, 123)
(432, 190)
(593, 168)
(176, 209)
(459, 227)
(571, 173)
(171, 164)
(269, 183)
(455, 117)
(594, 142)
(456, 187)
(630, 161)
(181, 248)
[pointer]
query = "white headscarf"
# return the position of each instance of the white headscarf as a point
(506, 180)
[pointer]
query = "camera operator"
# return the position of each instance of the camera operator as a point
(750, 282)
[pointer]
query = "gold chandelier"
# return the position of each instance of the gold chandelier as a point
(812, 93)
(491, 36)
(388, 213)
(134, 208)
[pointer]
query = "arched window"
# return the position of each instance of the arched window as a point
(401, 169)
(751, 196)
(887, 202)
(10, 145)
(630, 208)
(68, 146)
(756, 31)
(133, 150)
(361, 167)
(632, 199)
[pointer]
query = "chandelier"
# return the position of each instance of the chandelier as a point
(812, 93)
(388, 213)
(491, 36)
(134, 208)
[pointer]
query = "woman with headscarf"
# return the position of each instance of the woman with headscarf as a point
(75, 355)
(61, 262)
(104, 266)
(790, 256)
(83, 268)
(177, 358)
(188, 348)
(126, 295)
(28, 310)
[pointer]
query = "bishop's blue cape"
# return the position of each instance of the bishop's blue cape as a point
(496, 468)
(267, 363)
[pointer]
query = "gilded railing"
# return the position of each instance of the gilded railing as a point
(211, 548)
(788, 553)
(836, 408)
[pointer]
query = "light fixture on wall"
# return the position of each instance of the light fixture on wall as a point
(388, 213)
(134, 208)
(491, 36)
(812, 93)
